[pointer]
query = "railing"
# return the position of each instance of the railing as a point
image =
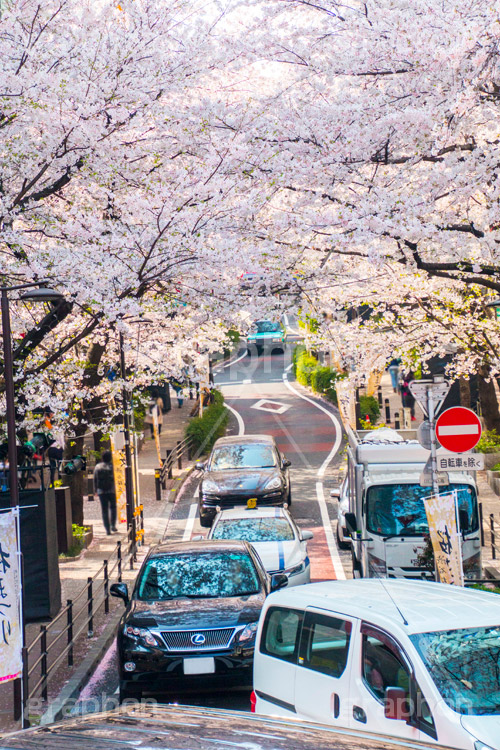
(75, 620)
(173, 456)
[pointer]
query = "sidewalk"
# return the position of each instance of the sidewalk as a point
(74, 573)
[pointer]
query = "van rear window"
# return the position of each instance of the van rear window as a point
(280, 635)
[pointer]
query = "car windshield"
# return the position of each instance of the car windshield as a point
(398, 509)
(465, 665)
(266, 326)
(222, 574)
(254, 529)
(251, 456)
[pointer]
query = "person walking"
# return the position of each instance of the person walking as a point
(149, 417)
(179, 392)
(104, 485)
(407, 396)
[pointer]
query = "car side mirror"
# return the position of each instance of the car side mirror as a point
(286, 462)
(306, 535)
(335, 492)
(278, 580)
(351, 523)
(200, 466)
(463, 519)
(396, 704)
(120, 590)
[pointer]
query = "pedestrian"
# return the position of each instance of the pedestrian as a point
(149, 418)
(179, 392)
(407, 396)
(159, 411)
(394, 373)
(104, 484)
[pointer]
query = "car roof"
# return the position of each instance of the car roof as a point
(244, 512)
(195, 728)
(199, 547)
(244, 439)
(424, 606)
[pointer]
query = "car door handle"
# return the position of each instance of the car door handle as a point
(359, 714)
(335, 705)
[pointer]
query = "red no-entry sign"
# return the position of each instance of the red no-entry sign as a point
(458, 429)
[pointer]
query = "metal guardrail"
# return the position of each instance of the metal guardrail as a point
(172, 456)
(76, 619)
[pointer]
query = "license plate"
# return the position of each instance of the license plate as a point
(203, 665)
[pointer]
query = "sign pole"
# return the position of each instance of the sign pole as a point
(430, 411)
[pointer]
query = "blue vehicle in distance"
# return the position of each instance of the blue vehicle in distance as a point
(266, 335)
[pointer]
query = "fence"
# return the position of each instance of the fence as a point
(56, 642)
(183, 448)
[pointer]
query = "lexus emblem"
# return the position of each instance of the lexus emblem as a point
(198, 639)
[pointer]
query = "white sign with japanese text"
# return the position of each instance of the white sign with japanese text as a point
(446, 540)
(10, 599)
(460, 462)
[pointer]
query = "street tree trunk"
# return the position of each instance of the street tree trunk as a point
(488, 401)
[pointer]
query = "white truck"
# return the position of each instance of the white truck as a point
(386, 510)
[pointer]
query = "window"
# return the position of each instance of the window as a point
(325, 644)
(385, 665)
(280, 636)
(250, 456)
(381, 668)
(198, 576)
(254, 529)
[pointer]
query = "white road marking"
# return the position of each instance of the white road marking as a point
(325, 518)
(281, 408)
(188, 530)
(247, 381)
(233, 361)
(287, 369)
(241, 423)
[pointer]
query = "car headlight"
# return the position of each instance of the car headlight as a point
(273, 484)
(249, 632)
(296, 569)
(209, 486)
(143, 633)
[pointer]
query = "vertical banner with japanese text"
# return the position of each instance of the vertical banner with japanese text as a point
(119, 475)
(10, 598)
(446, 541)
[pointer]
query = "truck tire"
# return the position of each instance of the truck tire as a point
(342, 544)
(357, 571)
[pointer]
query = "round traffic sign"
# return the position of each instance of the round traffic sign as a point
(458, 429)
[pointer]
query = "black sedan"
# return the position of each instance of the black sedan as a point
(192, 616)
(240, 468)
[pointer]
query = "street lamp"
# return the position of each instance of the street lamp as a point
(37, 294)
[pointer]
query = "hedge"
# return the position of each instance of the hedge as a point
(309, 372)
(368, 405)
(205, 430)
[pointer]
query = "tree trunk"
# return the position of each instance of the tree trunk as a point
(464, 384)
(488, 401)
(77, 482)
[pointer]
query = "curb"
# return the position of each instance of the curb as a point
(77, 682)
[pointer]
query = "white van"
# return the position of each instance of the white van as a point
(412, 659)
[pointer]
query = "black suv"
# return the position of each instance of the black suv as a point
(240, 468)
(192, 616)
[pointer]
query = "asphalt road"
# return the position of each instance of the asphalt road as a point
(263, 398)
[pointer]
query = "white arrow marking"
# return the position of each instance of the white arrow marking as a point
(458, 429)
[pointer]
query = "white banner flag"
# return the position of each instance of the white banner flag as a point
(445, 537)
(10, 599)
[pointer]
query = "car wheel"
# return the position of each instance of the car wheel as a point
(341, 542)
(206, 521)
(129, 693)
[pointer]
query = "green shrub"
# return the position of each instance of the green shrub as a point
(205, 430)
(496, 467)
(306, 363)
(368, 405)
(323, 381)
(299, 349)
(489, 443)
